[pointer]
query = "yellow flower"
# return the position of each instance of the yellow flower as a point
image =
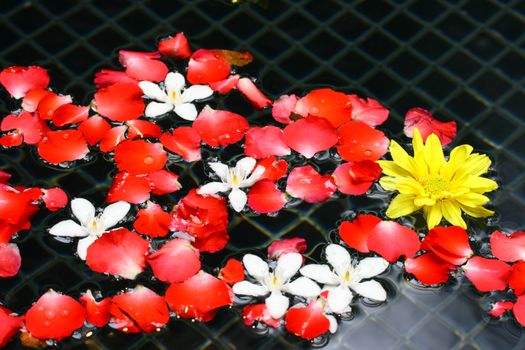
(440, 187)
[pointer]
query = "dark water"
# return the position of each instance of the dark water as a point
(463, 60)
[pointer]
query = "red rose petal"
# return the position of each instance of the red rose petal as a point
(310, 135)
(274, 169)
(63, 146)
(175, 47)
(262, 142)
(113, 138)
(508, 248)
(50, 103)
(33, 98)
(356, 178)
(29, 125)
(307, 184)
(11, 140)
(183, 141)
(152, 221)
(97, 312)
(232, 272)
(264, 197)
(199, 296)
(429, 268)
(4, 177)
(11, 324)
(139, 310)
(285, 246)
(164, 182)
(283, 107)
(19, 80)
(355, 233)
(70, 114)
(54, 316)
(108, 77)
(175, 262)
(54, 198)
(10, 260)
(206, 67)
(118, 252)
(260, 313)
(143, 65)
(307, 322)
(517, 278)
(519, 310)
(226, 85)
(253, 94)
(140, 157)
(142, 129)
(487, 275)
(500, 307)
(359, 141)
(334, 106)
(212, 242)
(94, 129)
(368, 111)
(220, 128)
(449, 243)
(392, 240)
(120, 102)
(426, 124)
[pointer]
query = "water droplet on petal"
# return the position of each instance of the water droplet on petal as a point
(64, 313)
(148, 160)
(46, 324)
(50, 315)
(65, 136)
(367, 153)
(314, 110)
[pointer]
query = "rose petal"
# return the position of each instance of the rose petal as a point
(359, 141)
(283, 107)
(334, 106)
(392, 240)
(262, 142)
(307, 322)
(175, 262)
(10, 260)
(206, 66)
(184, 141)
(487, 274)
(97, 312)
(519, 310)
(356, 178)
(284, 246)
(274, 169)
(19, 80)
(11, 324)
(226, 85)
(142, 129)
(264, 197)
(259, 313)
(220, 128)
(449, 243)
(517, 278)
(29, 125)
(429, 268)
(176, 47)
(54, 198)
(70, 114)
(143, 65)
(355, 233)
(120, 102)
(33, 98)
(118, 252)
(108, 77)
(307, 184)
(426, 124)
(164, 182)
(500, 307)
(63, 146)
(310, 135)
(368, 111)
(140, 157)
(94, 129)
(253, 94)
(113, 138)
(232, 272)
(508, 248)
(50, 103)
(152, 221)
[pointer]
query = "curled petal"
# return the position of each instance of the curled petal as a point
(175, 47)
(259, 312)
(426, 124)
(517, 278)
(368, 111)
(70, 114)
(429, 269)
(283, 107)
(356, 178)
(500, 307)
(54, 198)
(11, 324)
(253, 94)
(307, 322)
(29, 125)
(19, 80)
(449, 243)
(97, 312)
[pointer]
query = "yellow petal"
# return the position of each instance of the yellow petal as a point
(401, 205)
(392, 169)
(434, 215)
(422, 170)
(401, 157)
(417, 142)
(457, 158)
(476, 164)
(452, 213)
(477, 212)
(481, 184)
(434, 154)
(388, 183)
(409, 186)
(472, 199)
(424, 201)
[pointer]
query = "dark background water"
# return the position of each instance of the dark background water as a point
(463, 60)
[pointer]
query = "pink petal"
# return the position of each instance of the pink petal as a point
(283, 107)
(356, 178)
(253, 94)
(184, 141)
(11, 324)
(164, 182)
(139, 310)
(54, 316)
(29, 125)
(70, 114)
(307, 322)
(199, 296)
(310, 135)
(120, 102)
(54, 198)
(359, 141)
(175, 262)
(368, 111)
(19, 80)
(332, 105)
(392, 240)
(307, 184)
(10, 260)
(152, 221)
(176, 47)
(355, 233)
(449, 243)
(500, 307)
(220, 128)
(426, 124)
(285, 246)
(487, 275)
(519, 310)
(63, 146)
(118, 252)
(97, 312)
(94, 129)
(259, 313)
(508, 248)
(226, 85)
(517, 278)
(108, 77)
(264, 197)
(143, 65)
(263, 142)
(429, 268)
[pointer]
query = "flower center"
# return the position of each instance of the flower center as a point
(235, 180)
(174, 95)
(347, 277)
(436, 187)
(95, 227)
